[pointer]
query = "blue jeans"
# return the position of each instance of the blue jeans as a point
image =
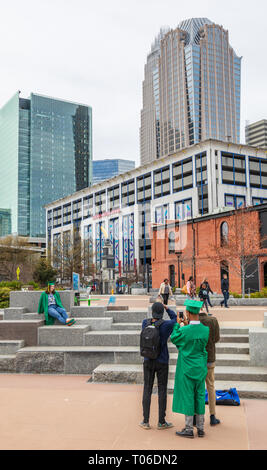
(57, 312)
(226, 297)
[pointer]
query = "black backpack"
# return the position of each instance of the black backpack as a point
(150, 340)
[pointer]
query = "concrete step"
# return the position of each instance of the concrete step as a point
(232, 348)
(245, 389)
(62, 335)
(10, 346)
(14, 313)
(21, 329)
(7, 363)
(112, 338)
(234, 338)
(73, 359)
(88, 311)
(126, 326)
(95, 324)
(242, 360)
(128, 316)
(133, 373)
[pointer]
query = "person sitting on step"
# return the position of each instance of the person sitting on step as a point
(50, 304)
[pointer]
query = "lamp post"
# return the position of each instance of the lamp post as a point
(178, 253)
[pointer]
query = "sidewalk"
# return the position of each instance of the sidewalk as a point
(66, 412)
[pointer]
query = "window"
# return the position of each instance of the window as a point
(161, 214)
(258, 200)
(114, 197)
(202, 183)
(77, 209)
(88, 204)
(144, 188)
(234, 201)
(100, 202)
(233, 169)
(162, 182)
(182, 175)
(224, 233)
(258, 173)
(183, 209)
(171, 244)
(128, 193)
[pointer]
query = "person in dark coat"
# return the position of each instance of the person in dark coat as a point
(225, 290)
(203, 295)
(208, 288)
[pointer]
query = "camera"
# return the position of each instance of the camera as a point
(181, 314)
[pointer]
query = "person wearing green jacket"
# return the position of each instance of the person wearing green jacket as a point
(50, 304)
(191, 369)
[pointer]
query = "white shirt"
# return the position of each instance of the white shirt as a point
(195, 322)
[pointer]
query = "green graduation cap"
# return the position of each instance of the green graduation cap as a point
(193, 306)
(51, 283)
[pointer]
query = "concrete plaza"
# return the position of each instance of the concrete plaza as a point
(67, 412)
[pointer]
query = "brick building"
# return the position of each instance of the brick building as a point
(180, 250)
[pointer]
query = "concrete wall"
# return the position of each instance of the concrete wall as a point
(30, 299)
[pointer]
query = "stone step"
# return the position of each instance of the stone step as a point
(73, 359)
(112, 338)
(10, 346)
(133, 373)
(62, 335)
(95, 324)
(7, 363)
(245, 389)
(221, 359)
(232, 348)
(88, 311)
(14, 313)
(26, 330)
(126, 326)
(233, 338)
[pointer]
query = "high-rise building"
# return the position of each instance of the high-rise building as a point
(107, 168)
(45, 151)
(198, 85)
(256, 134)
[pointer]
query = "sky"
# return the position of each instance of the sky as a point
(94, 52)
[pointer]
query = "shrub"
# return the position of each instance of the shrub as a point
(4, 297)
(12, 285)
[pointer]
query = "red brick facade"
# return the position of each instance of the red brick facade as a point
(201, 237)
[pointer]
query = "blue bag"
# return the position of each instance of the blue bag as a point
(225, 397)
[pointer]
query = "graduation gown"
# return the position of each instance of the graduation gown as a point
(43, 306)
(191, 368)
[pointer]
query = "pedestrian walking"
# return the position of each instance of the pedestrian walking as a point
(214, 337)
(208, 288)
(203, 295)
(165, 291)
(153, 347)
(191, 288)
(191, 369)
(225, 290)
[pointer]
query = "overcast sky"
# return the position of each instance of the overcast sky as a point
(93, 52)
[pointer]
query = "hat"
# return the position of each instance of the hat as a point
(52, 283)
(193, 306)
(157, 310)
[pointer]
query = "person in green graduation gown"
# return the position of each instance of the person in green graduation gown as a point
(50, 304)
(191, 369)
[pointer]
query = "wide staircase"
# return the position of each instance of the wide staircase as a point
(104, 345)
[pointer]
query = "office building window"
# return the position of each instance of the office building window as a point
(144, 191)
(128, 193)
(258, 173)
(234, 201)
(100, 202)
(233, 169)
(88, 205)
(162, 182)
(183, 209)
(114, 197)
(67, 214)
(57, 217)
(258, 200)
(77, 209)
(161, 214)
(202, 183)
(182, 174)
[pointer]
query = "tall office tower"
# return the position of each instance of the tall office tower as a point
(256, 134)
(107, 168)
(199, 87)
(45, 152)
(150, 114)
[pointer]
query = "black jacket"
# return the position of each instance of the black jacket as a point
(225, 285)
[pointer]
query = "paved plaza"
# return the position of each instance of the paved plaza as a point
(68, 412)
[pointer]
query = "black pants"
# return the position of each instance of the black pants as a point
(226, 297)
(165, 298)
(151, 368)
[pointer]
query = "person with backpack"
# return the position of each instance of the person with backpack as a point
(153, 347)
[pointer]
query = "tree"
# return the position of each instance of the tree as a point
(14, 252)
(238, 245)
(44, 272)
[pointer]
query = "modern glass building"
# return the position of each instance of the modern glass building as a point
(45, 152)
(198, 87)
(107, 168)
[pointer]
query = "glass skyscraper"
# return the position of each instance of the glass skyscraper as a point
(45, 154)
(199, 89)
(107, 168)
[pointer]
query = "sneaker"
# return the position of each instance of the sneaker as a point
(145, 425)
(200, 433)
(214, 420)
(71, 322)
(185, 433)
(165, 425)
